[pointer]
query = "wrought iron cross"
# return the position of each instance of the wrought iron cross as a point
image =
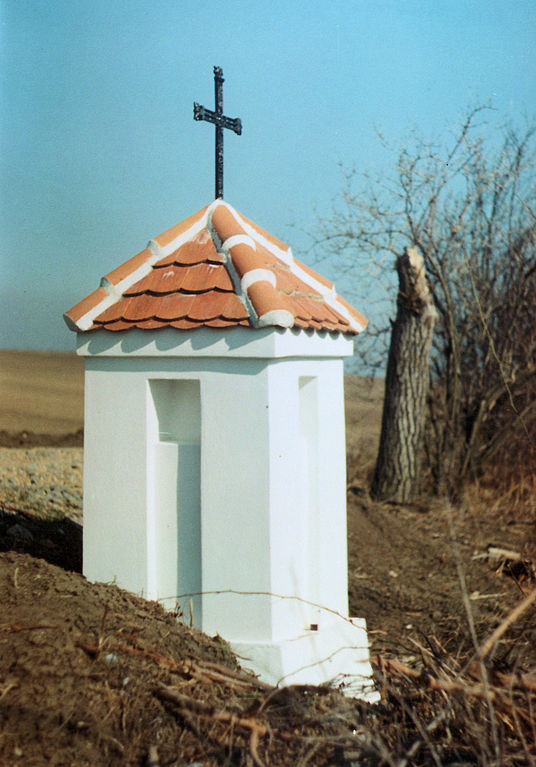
(220, 121)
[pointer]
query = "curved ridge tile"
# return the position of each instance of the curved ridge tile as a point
(245, 259)
(74, 317)
(266, 235)
(257, 275)
(172, 234)
(224, 222)
(271, 307)
(123, 271)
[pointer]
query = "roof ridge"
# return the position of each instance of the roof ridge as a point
(255, 234)
(329, 294)
(246, 272)
(219, 244)
(254, 263)
(165, 250)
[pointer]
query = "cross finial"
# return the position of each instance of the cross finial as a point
(220, 121)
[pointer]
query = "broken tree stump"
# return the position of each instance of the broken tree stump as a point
(398, 467)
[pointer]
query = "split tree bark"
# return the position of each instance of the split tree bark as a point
(398, 467)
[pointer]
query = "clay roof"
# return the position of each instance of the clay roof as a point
(215, 269)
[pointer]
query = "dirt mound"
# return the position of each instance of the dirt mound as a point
(92, 675)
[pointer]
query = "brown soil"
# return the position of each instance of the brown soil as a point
(26, 438)
(415, 571)
(82, 665)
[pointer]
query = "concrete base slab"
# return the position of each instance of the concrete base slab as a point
(335, 654)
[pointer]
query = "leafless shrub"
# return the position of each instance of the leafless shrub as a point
(468, 206)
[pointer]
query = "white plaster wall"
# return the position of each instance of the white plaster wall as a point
(120, 424)
(332, 546)
(114, 543)
(256, 537)
(173, 492)
(235, 470)
(308, 545)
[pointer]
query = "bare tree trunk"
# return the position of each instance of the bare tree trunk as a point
(398, 466)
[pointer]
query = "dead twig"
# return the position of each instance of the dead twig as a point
(206, 672)
(486, 647)
(203, 672)
(187, 705)
(204, 709)
(13, 627)
(510, 681)
(239, 676)
(432, 682)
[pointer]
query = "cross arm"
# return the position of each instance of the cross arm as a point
(201, 113)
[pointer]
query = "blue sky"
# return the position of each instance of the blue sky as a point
(100, 151)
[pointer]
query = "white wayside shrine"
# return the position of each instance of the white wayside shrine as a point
(214, 458)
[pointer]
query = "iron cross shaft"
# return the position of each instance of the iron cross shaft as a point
(218, 119)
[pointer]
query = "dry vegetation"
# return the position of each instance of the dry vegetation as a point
(92, 675)
(42, 392)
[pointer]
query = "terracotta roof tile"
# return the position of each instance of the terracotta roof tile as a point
(265, 298)
(315, 275)
(216, 269)
(234, 309)
(176, 306)
(358, 317)
(119, 325)
(171, 234)
(203, 277)
(87, 304)
(208, 306)
(151, 324)
(114, 277)
(289, 283)
(266, 235)
(164, 280)
(140, 308)
(245, 258)
(114, 312)
(173, 278)
(199, 250)
(183, 324)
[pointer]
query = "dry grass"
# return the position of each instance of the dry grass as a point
(363, 399)
(508, 486)
(41, 392)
